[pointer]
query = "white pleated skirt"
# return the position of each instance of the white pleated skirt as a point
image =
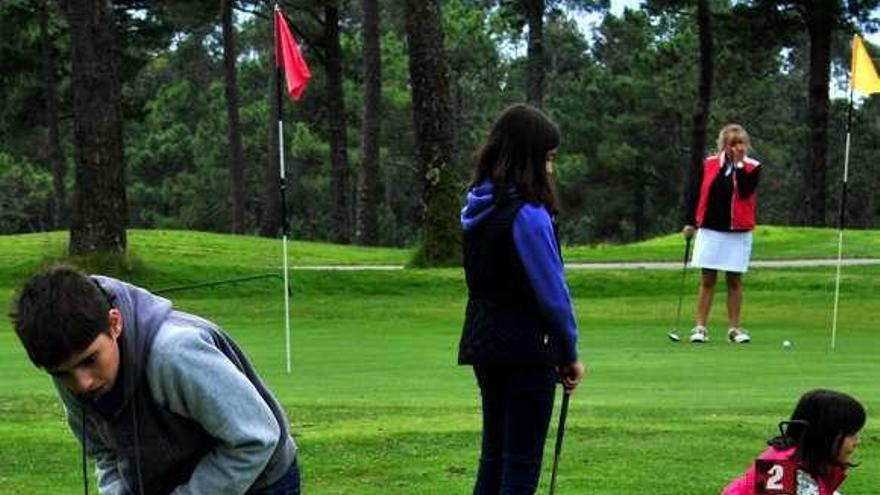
(726, 251)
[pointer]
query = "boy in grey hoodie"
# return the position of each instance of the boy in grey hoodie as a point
(164, 401)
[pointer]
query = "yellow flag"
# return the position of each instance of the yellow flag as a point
(864, 75)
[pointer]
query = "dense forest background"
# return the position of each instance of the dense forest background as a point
(196, 89)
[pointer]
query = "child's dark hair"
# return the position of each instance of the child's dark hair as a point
(59, 313)
(515, 154)
(818, 425)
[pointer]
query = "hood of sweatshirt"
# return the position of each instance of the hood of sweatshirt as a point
(142, 315)
(480, 202)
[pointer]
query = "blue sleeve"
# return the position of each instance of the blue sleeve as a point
(536, 246)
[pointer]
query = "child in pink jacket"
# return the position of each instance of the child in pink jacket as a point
(815, 444)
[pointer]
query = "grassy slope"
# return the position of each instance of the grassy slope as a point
(379, 407)
(770, 243)
(239, 255)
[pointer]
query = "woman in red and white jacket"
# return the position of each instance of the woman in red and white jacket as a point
(720, 207)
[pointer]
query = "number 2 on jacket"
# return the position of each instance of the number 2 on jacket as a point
(775, 477)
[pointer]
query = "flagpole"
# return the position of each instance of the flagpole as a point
(841, 221)
(282, 189)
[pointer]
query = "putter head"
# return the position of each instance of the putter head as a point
(673, 336)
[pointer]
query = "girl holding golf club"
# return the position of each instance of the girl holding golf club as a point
(519, 332)
(720, 203)
(814, 446)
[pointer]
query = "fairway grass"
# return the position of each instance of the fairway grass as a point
(770, 243)
(378, 406)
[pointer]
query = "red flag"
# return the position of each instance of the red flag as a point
(289, 58)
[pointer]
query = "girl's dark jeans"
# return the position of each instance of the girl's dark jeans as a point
(517, 405)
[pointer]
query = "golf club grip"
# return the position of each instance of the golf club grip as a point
(563, 412)
(687, 250)
(560, 432)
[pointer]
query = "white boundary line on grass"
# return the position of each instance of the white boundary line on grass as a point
(347, 268)
(672, 265)
(625, 265)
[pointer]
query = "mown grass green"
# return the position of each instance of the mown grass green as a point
(200, 253)
(770, 243)
(378, 405)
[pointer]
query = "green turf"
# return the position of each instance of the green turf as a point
(198, 253)
(378, 405)
(770, 243)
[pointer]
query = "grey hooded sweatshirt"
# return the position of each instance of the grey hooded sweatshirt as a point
(192, 418)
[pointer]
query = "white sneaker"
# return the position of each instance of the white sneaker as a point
(699, 335)
(738, 336)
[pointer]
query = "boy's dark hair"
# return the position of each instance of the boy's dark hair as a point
(515, 154)
(818, 425)
(59, 313)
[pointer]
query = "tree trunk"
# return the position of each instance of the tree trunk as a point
(819, 17)
(435, 133)
(233, 128)
(100, 209)
(535, 77)
(270, 220)
(367, 225)
(700, 116)
(336, 121)
(54, 151)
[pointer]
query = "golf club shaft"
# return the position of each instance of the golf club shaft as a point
(687, 251)
(560, 432)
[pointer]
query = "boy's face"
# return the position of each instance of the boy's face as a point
(92, 372)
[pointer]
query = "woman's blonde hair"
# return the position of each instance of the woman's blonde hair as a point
(733, 132)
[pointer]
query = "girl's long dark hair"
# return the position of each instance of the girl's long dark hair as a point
(515, 154)
(818, 425)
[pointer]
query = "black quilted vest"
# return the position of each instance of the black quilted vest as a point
(503, 323)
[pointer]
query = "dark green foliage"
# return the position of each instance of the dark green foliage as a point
(625, 184)
(25, 197)
(623, 95)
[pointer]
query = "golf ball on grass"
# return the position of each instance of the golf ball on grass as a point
(786, 344)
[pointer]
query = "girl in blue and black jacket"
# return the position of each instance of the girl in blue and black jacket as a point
(520, 332)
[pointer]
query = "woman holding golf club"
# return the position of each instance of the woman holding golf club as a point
(519, 332)
(812, 452)
(720, 203)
